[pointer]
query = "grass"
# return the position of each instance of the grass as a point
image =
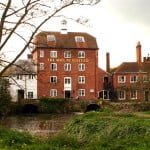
(104, 130)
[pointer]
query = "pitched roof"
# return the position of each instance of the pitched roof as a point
(65, 40)
(133, 67)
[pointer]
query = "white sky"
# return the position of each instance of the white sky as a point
(117, 25)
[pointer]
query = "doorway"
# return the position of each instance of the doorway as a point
(20, 95)
(146, 95)
(67, 94)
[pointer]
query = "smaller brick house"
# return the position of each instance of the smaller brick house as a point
(131, 80)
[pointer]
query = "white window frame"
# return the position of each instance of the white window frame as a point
(133, 94)
(81, 79)
(30, 95)
(41, 66)
(41, 53)
(121, 79)
(19, 77)
(81, 92)
(53, 66)
(81, 54)
(53, 79)
(81, 67)
(53, 54)
(121, 95)
(51, 37)
(53, 92)
(67, 67)
(133, 79)
(67, 54)
(79, 39)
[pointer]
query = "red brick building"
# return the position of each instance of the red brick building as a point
(67, 65)
(131, 80)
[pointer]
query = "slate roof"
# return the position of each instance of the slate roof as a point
(65, 40)
(133, 67)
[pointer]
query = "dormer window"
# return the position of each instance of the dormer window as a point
(79, 39)
(51, 38)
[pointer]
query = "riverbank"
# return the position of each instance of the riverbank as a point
(105, 130)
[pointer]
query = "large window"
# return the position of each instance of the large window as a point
(81, 92)
(53, 54)
(53, 92)
(133, 79)
(81, 54)
(67, 67)
(81, 67)
(121, 95)
(133, 94)
(53, 79)
(41, 66)
(41, 53)
(67, 54)
(51, 38)
(81, 79)
(79, 39)
(53, 66)
(30, 94)
(121, 79)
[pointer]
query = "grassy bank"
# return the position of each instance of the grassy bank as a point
(92, 131)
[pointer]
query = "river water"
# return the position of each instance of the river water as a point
(41, 125)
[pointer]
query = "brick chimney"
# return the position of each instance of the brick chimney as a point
(138, 53)
(107, 62)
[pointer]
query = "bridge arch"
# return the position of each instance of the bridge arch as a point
(30, 108)
(92, 107)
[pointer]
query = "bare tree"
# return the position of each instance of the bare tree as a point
(29, 15)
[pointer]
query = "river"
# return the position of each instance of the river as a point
(41, 125)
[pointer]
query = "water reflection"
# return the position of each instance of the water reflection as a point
(39, 125)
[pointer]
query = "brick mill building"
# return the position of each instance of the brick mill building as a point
(67, 65)
(131, 80)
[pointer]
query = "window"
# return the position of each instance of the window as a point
(67, 67)
(81, 92)
(41, 53)
(30, 94)
(121, 95)
(81, 67)
(81, 79)
(19, 77)
(67, 80)
(67, 54)
(53, 54)
(53, 66)
(51, 38)
(81, 54)
(53, 92)
(79, 39)
(146, 78)
(41, 66)
(121, 79)
(31, 76)
(133, 94)
(133, 79)
(53, 79)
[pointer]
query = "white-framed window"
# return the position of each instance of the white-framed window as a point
(30, 94)
(79, 39)
(133, 94)
(81, 92)
(31, 76)
(121, 95)
(53, 66)
(81, 54)
(41, 53)
(81, 79)
(133, 79)
(81, 67)
(51, 38)
(121, 79)
(67, 67)
(53, 92)
(146, 78)
(19, 76)
(67, 54)
(41, 66)
(53, 54)
(67, 80)
(53, 79)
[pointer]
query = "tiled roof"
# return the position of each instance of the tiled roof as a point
(65, 40)
(130, 67)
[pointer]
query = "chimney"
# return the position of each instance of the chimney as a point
(138, 53)
(107, 62)
(63, 27)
